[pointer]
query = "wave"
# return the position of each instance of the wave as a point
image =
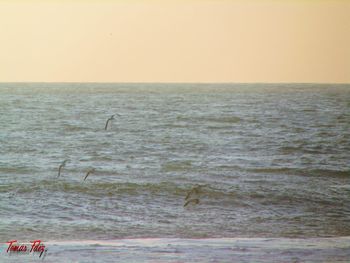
(176, 166)
(164, 249)
(228, 119)
(102, 189)
(74, 128)
(321, 242)
(205, 119)
(16, 170)
(303, 172)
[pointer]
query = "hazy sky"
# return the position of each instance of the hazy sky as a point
(175, 41)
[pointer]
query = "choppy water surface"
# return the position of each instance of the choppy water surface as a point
(273, 160)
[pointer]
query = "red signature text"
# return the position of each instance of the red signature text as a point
(36, 246)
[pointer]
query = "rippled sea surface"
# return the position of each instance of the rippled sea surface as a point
(269, 160)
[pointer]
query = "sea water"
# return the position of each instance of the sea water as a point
(270, 160)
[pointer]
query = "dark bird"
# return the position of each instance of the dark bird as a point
(110, 119)
(92, 170)
(63, 164)
(194, 190)
(194, 201)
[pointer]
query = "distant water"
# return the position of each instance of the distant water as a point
(273, 161)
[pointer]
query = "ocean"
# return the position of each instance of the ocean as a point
(268, 161)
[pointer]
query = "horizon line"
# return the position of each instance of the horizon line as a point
(162, 82)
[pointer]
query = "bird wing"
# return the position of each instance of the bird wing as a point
(189, 194)
(107, 124)
(196, 201)
(59, 170)
(87, 174)
(186, 204)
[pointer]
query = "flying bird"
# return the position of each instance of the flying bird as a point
(194, 190)
(92, 170)
(110, 119)
(194, 201)
(63, 164)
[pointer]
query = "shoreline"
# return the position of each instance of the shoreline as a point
(327, 249)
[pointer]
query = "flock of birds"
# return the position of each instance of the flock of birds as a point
(192, 196)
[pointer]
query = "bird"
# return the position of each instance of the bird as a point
(63, 164)
(194, 190)
(194, 201)
(92, 170)
(110, 119)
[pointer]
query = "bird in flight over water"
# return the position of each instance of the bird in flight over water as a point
(63, 164)
(194, 190)
(194, 201)
(110, 119)
(92, 170)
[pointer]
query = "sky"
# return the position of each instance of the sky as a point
(175, 41)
